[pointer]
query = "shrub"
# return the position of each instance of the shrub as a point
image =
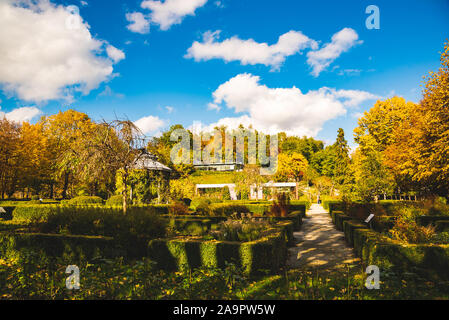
(35, 198)
(202, 206)
(33, 214)
(114, 201)
(407, 230)
(225, 209)
(137, 223)
(268, 253)
(245, 229)
(226, 194)
(178, 208)
(187, 201)
(83, 200)
(280, 206)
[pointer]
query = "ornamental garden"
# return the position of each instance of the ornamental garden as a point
(101, 197)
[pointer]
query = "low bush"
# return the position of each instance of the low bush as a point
(266, 254)
(280, 206)
(84, 200)
(34, 213)
(407, 230)
(114, 201)
(245, 229)
(348, 227)
(136, 223)
(178, 208)
(442, 225)
(226, 210)
(382, 223)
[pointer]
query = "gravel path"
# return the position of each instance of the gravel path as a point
(319, 244)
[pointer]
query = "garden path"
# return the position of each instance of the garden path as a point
(319, 244)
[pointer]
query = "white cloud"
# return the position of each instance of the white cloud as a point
(213, 106)
(341, 42)
(283, 109)
(108, 92)
(250, 51)
(47, 52)
(139, 23)
(115, 54)
(84, 3)
(169, 109)
(149, 124)
(21, 114)
(171, 12)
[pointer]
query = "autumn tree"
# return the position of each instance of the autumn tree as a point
(115, 146)
(67, 133)
(292, 168)
(372, 178)
(9, 156)
(422, 147)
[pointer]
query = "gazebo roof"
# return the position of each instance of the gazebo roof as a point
(148, 161)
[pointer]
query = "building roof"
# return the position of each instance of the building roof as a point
(148, 161)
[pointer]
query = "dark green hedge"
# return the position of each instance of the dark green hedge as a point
(34, 213)
(339, 219)
(44, 247)
(348, 227)
(442, 226)
(334, 214)
(228, 208)
(375, 249)
(382, 223)
(430, 220)
(295, 217)
(255, 257)
(192, 226)
(82, 200)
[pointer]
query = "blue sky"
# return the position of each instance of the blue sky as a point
(149, 71)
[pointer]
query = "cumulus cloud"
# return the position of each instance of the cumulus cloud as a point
(115, 54)
(165, 14)
(139, 23)
(250, 51)
(171, 12)
(213, 106)
(341, 42)
(21, 114)
(273, 110)
(47, 51)
(149, 124)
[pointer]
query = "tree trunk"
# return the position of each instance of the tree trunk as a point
(66, 185)
(125, 192)
(296, 191)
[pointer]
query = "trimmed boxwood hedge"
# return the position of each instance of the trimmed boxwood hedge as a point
(295, 217)
(375, 249)
(228, 208)
(83, 200)
(382, 223)
(255, 257)
(339, 219)
(348, 227)
(442, 226)
(334, 214)
(44, 247)
(430, 220)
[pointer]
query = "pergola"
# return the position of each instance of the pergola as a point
(148, 161)
(257, 193)
(231, 187)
